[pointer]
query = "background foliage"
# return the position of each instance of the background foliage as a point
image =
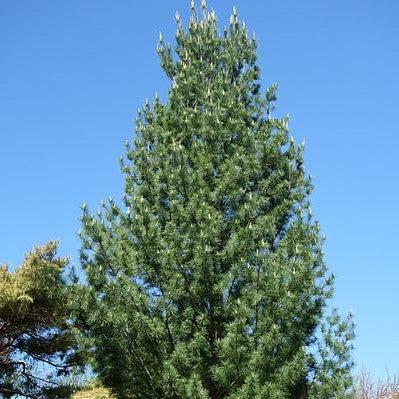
(37, 345)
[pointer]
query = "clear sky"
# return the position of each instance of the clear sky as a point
(73, 73)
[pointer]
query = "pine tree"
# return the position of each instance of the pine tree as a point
(209, 282)
(38, 348)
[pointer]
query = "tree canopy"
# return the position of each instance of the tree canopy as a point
(37, 346)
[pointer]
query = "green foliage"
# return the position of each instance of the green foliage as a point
(37, 346)
(210, 282)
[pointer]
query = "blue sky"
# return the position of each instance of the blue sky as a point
(73, 73)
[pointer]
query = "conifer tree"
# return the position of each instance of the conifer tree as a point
(38, 349)
(209, 281)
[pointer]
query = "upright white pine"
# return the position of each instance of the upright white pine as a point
(213, 285)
